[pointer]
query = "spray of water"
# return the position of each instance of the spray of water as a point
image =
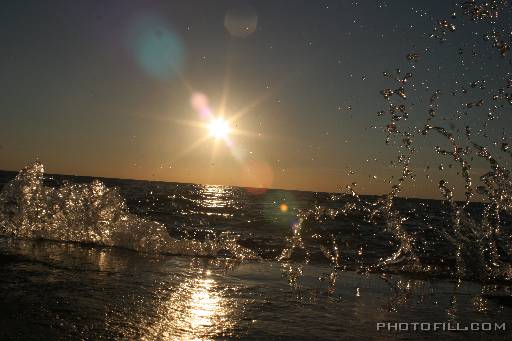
(96, 214)
(481, 240)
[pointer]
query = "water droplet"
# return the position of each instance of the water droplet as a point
(412, 56)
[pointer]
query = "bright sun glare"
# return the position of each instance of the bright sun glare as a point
(219, 128)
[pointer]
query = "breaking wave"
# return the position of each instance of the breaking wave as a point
(96, 214)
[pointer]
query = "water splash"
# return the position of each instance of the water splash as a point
(478, 234)
(295, 249)
(96, 214)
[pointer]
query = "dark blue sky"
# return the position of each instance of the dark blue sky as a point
(103, 88)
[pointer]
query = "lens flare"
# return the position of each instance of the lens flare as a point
(219, 128)
(241, 22)
(200, 103)
(156, 48)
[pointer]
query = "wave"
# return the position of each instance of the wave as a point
(94, 214)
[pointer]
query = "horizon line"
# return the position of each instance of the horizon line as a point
(243, 187)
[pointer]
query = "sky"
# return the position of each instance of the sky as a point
(108, 89)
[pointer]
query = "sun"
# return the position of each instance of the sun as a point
(219, 128)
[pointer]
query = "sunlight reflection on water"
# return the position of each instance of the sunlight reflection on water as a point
(216, 196)
(196, 310)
